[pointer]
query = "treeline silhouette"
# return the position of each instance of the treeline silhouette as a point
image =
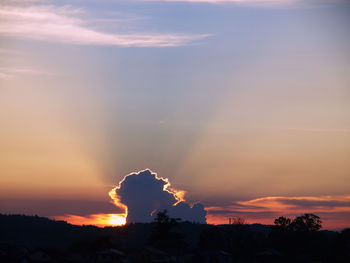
(36, 239)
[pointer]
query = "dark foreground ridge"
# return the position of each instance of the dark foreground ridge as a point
(37, 239)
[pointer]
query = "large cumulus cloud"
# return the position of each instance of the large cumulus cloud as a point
(144, 194)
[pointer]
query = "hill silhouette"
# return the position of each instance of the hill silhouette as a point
(39, 239)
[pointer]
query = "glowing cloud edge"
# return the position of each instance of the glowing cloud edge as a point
(178, 194)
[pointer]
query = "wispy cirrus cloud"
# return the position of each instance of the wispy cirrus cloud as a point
(335, 210)
(256, 3)
(298, 204)
(282, 204)
(232, 1)
(67, 25)
(10, 73)
(308, 129)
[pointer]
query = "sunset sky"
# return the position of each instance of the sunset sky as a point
(242, 104)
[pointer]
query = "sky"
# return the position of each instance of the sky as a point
(241, 105)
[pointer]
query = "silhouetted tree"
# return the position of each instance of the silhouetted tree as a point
(303, 223)
(283, 222)
(238, 221)
(306, 223)
(162, 236)
(165, 223)
(298, 239)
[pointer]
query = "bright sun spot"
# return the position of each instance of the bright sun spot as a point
(117, 220)
(100, 220)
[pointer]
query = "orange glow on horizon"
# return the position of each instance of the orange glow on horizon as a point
(100, 220)
(261, 210)
(117, 220)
